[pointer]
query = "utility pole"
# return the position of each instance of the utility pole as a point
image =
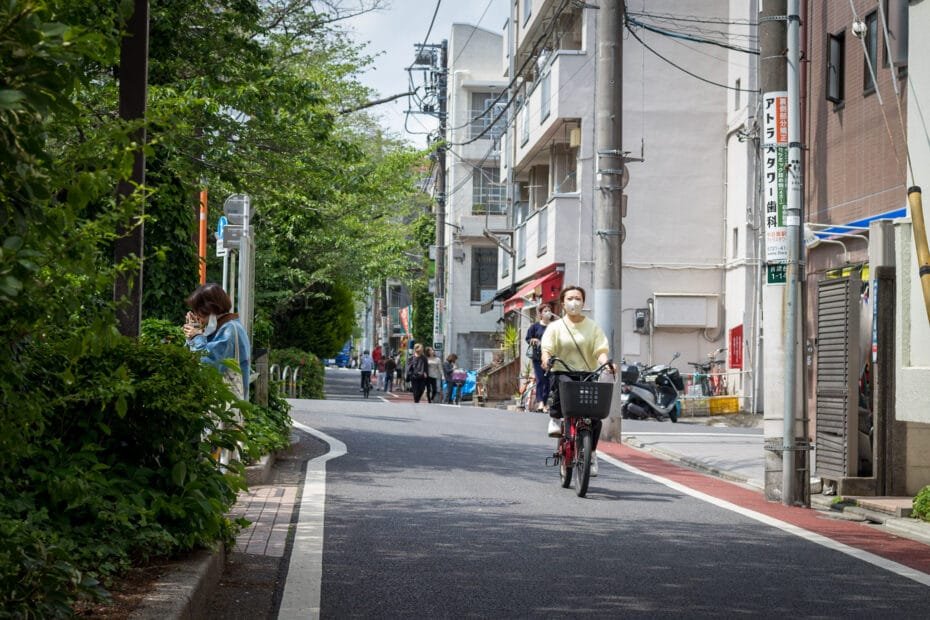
(790, 457)
(133, 87)
(432, 60)
(781, 205)
(610, 173)
(441, 90)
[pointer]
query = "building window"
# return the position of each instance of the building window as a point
(481, 117)
(564, 160)
(542, 231)
(870, 62)
(505, 263)
(736, 94)
(483, 273)
(544, 96)
(539, 187)
(525, 123)
(896, 16)
(488, 195)
(527, 10)
(521, 245)
(836, 67)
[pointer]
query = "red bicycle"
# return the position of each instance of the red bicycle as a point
(583, 400)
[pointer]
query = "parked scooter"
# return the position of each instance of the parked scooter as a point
(651, 392)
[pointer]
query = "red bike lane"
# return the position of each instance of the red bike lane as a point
(857, 535)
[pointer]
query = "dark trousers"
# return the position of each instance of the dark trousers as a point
(366, 378)
(542, 383)
(418, 386)
(431, 388)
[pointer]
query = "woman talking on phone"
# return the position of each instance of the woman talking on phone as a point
(216, 333)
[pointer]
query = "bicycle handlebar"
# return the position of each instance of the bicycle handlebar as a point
(591, 373)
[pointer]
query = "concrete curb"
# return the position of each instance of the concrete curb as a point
(693, 463)
(185, 590)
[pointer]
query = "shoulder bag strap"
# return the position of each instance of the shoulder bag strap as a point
(580, 352)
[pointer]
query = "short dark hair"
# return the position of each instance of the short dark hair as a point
(452, 357)
(571, 288)
(209, 298)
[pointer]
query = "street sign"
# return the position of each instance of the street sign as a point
(231, 237)
(221, 225)
(236, 209)
(776, 274)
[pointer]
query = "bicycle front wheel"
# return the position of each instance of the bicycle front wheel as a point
(583, 449)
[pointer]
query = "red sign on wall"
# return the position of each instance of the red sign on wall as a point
(735, 350)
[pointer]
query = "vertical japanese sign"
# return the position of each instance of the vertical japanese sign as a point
(439, 307)
(735, 348)
(775, 175)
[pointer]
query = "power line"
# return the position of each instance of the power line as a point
(683, 70)
(678, 35)
(513, 79)
(431, 22)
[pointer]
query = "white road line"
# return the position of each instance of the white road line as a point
(685, 434)
(865, 556)
(301, 597)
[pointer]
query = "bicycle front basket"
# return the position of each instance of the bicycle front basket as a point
(585, 399)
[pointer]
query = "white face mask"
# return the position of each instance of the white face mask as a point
(546, 314)
(211, 325)
(573, 306)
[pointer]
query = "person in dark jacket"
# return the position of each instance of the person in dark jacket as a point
(447, 367)
(416, 372)
(534, 338)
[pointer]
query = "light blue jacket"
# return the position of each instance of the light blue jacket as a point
(221, 345)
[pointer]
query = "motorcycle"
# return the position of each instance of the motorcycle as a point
(651, 392)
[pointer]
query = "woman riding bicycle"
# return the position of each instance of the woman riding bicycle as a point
(578, 342)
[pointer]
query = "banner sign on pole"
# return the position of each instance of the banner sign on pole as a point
(439, 307)
(775, 174)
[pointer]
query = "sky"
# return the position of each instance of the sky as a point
(391, 35)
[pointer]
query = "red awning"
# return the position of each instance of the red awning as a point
(542, 289)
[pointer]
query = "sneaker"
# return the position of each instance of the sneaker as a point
(594, 464)
(555, 428)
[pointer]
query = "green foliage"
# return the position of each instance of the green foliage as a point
(116, 470)
(422, 327)
(922, 504)
(511, 342)
(320, 323)
(155, 331)
(267, 429)
(311, 371)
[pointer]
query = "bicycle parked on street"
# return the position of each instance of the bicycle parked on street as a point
(710, 375)
(583, 399)
(528, 395)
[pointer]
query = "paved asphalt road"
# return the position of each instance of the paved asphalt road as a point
(438, 511)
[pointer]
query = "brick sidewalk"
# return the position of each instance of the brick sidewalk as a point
(269, 508)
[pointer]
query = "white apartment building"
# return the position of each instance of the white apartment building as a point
(675, 254)
(475, 195)
(742, 239)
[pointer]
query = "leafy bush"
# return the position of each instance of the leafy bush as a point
(155, 331)
(266, 428)
(311, 372)
(117, 469)
(922, 504)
